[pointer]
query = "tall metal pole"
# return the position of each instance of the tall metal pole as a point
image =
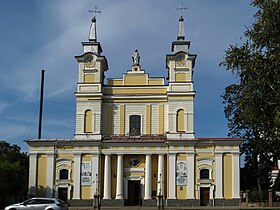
(41, 105)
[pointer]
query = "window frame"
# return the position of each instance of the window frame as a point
(135, 124)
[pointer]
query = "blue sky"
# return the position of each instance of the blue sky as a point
(38, 34)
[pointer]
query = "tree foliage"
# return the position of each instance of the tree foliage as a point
(252, 105)
(13, 172)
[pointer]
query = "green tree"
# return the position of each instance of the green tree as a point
(13, 172)
(252, 105)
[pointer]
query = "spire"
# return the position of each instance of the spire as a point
(92, 45)
(92, 32)
(181, 31)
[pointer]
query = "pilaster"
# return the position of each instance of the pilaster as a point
(95, 174)
(235, 175)
(50, 176)
(172, 176)
(190, 171)
(77, 173)
(32, 174)
(219, 175)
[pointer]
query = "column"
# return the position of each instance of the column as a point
(119, 189)
(50, 176)
(160, 179)
(77, 176)
(107, 177)
(32, 174)
(172, 176)
(219, 175)
(235, 175)
(95, 174)
(191, 173)
(148, 178)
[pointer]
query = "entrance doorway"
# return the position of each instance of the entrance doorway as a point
(134, 193)
(62, 193)
(204, 196)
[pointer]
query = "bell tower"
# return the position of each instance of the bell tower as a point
(180, 65)
(91, 68)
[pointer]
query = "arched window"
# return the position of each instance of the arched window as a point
(204, 174)
(63, 174)
(180, 120)
(88, 121)
(135, 125)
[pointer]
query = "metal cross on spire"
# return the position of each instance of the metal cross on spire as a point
(181, 8)
(95, 11)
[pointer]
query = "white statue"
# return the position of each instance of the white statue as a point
(136, 58)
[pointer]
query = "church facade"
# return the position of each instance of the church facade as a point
(134, 141)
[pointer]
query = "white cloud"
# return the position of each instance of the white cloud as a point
(3, 105)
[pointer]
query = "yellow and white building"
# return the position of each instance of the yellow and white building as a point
(135, 140)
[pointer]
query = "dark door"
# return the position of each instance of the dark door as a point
(134, 193)
(62, 193)
(204, 196)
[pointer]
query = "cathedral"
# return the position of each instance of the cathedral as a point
(134, 142)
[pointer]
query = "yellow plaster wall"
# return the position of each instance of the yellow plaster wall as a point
(120, 82)
(181, 120)
(88, 121)
(203, 147)
(109, 119)
(42, 175)
(122, 119)
(89, 78)
(85, 98)
(148, 119)
(86, 192)
(136, 79)
(156, 82)
(134, 90)
(136, 100)
(227, 176)
(114, 175)
(115, 82)
(154, 174)
(180, 77)
(161, 119)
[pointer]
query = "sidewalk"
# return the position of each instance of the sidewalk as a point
(172, 208)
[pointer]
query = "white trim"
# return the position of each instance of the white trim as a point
(50, 176)
(191, 177)
(65, 185)
(77, 179)
(134, 169)
(135, 178)
(32, 173)
(95, 174)
(172, 176)
(219, 175)
(235, 176)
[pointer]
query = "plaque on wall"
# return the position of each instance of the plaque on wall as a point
(181, 173)
(86, 173)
